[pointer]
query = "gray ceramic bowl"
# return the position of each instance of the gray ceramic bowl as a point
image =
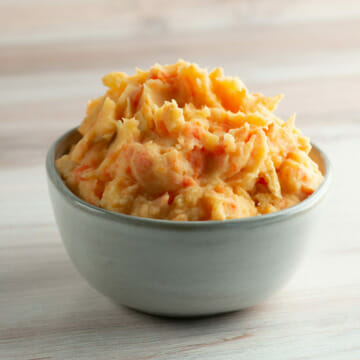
(182, 268)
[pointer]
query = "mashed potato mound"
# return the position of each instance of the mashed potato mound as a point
(179, 143)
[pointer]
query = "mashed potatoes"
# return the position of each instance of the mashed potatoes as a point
(179, 143)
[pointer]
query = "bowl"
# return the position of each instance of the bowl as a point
(175, 268)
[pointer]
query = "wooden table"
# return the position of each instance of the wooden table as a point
(52, 55)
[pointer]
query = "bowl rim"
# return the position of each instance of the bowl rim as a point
(281, 215)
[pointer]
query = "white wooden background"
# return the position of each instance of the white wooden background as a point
(52, 56)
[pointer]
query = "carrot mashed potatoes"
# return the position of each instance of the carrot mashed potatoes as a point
(179, 143)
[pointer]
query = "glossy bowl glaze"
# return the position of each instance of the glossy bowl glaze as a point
(182, 268)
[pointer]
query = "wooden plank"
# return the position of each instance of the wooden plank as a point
(231, 48)
(59, 21)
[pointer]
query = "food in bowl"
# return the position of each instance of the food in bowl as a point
(179, 143)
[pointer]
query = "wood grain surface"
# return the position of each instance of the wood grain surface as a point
(52, 57)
